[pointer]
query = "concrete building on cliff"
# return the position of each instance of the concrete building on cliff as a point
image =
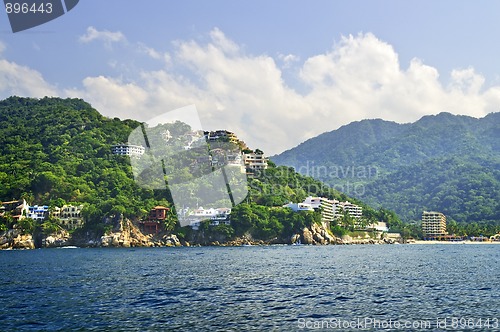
(153, 224)
(38, 212)
(18, 209)
(69, 216)
(128, 150)
(255, 162)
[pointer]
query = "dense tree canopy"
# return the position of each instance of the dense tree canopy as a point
(443, 163)
(57, 151)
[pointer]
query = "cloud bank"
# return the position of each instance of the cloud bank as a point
(359, 77)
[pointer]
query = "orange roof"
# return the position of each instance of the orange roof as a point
(159, 207)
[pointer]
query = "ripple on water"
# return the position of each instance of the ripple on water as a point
(253, 288)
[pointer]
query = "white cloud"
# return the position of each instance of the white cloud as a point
(23, 81)
(288, 60)
(112, 97)
(151, 52)
(107, 37)
(360, 77)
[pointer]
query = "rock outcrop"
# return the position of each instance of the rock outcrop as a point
(126, 234)
(307, 236)
(15, 239)
(59, 239)
(315, 234)
(23, 241)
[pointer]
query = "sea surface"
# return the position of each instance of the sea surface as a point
(270, 288)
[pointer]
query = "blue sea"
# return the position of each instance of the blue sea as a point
(269, 288)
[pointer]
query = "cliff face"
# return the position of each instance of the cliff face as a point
(126, 234)
(59, 239)
(15, 239)
(315, 234)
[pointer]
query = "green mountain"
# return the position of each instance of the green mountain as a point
(444, 162)
(55, 151)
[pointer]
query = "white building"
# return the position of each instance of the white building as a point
(379, 227)
(254, 162)
(353, 210)
(69, 216)
(37, 212)
(328, 207)
(433, 224)
(128, 150)
(18, 210)
(215, 216)
(299, 206)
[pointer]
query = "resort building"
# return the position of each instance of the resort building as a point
(215, 216)
(153, 224)
(128, 150)
(433, 224)
(353, 210)
(70, 216)
(16, 209)
(327, 207)
(38, 213)
(299, 207)
(220, 135)
(254, 161)
(378, 227)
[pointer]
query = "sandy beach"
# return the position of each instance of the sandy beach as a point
(455, 242)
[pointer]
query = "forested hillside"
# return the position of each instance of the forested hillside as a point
(445, 162)
(55, 151)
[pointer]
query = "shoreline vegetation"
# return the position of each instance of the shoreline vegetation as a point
(127, 235)
(58, 153)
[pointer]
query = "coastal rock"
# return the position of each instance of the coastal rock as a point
(295, 239)
(7, 238)
(126, 235)
(318, 238)
(58, 239)
(23, 242)
(307, 236)
(330, 239)
(346, 239)
(106, 240)
(173, 241)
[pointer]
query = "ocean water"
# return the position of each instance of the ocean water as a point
(273, 288)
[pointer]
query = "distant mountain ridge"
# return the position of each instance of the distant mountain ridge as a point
(444, 162)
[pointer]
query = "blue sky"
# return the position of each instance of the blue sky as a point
(275, 72)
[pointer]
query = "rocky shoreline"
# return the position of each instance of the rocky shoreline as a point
(125, 235)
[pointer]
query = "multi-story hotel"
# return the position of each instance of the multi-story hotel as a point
(433, 224)
(254, 162)
(220, 135)
(128, 150)
(16, 209)
(70, 216)
(327, 206)
(353, 210)
(38, 212)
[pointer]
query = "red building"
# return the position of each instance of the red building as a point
(158, 213)
(156, 216)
